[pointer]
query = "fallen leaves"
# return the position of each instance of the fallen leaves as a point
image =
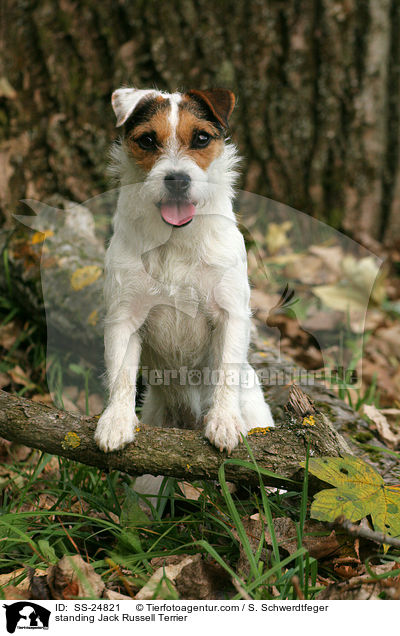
(366, 586)
(84, 276)
(317, 539)
(69, 578)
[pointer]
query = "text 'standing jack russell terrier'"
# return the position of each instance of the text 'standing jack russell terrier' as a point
(175, 233)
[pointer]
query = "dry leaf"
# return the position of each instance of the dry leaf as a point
(331, 256)
(389, 340)
(19, 376)
(323, 321)
(382, 425)
(361, 588)
(43, 399)
(72, 578)
(190, 491)
(318, 546)
(310, 270)
(170, 572)
(9, 578)
(202, 580)
(6, 90)
(8, 335)
(5, 380)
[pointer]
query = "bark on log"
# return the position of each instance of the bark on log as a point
(317, 84)
(179, 453)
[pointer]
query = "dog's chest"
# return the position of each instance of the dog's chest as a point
(178, 329)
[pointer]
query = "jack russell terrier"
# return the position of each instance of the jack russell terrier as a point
(176, 236)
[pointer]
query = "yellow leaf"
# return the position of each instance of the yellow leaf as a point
(342, 298)
(360, 491)
(39, 237)
(277, 237)
(93, 317)
(85, 276)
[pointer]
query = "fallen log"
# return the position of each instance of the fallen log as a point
(173, 452)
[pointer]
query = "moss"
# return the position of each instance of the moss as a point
(364, 436)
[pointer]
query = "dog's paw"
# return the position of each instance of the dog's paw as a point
(259, 418)
(224, 429)
(116, 428)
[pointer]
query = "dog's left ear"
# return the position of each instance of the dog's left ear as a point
(125, 100)
(220, 101)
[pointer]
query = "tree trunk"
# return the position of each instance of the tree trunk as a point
(317, 85)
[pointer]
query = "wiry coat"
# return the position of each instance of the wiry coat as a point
(177, 298)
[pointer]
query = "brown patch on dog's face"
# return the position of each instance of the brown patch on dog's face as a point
(198, 134)
(147, 132)
(190, 129)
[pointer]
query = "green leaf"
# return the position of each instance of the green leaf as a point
(47, 551)
(359, 491)
(75, 368)
(131, 519)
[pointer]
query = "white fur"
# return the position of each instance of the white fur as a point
(177, 298)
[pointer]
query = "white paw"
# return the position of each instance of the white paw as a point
(259, 418)
(268, 418)
(224, 429)
(116, 427)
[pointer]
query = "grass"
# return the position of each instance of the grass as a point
(99, 517)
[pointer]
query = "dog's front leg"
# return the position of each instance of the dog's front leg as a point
(224, 421)
(116, 426)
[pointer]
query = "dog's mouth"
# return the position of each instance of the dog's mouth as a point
(177, 213)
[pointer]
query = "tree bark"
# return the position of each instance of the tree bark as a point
(317, 85)
(172, 452)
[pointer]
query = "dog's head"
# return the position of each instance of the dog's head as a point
(176, 144)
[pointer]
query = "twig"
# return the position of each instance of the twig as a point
(241, 590)
(297, 588)
(365, 533)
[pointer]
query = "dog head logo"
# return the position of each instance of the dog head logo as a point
(26, 615)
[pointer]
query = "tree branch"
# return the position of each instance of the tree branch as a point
(366, 533)
(173, 452)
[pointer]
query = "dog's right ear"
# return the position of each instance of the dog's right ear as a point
(125, 100)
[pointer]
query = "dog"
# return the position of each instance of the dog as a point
(176, 286)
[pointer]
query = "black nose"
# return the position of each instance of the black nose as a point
(177, 182)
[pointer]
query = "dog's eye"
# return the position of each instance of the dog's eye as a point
(201, 139)
(146, 142)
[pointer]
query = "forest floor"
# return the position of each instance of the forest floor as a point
(71, 531)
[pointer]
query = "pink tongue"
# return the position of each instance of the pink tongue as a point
(177, 212)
